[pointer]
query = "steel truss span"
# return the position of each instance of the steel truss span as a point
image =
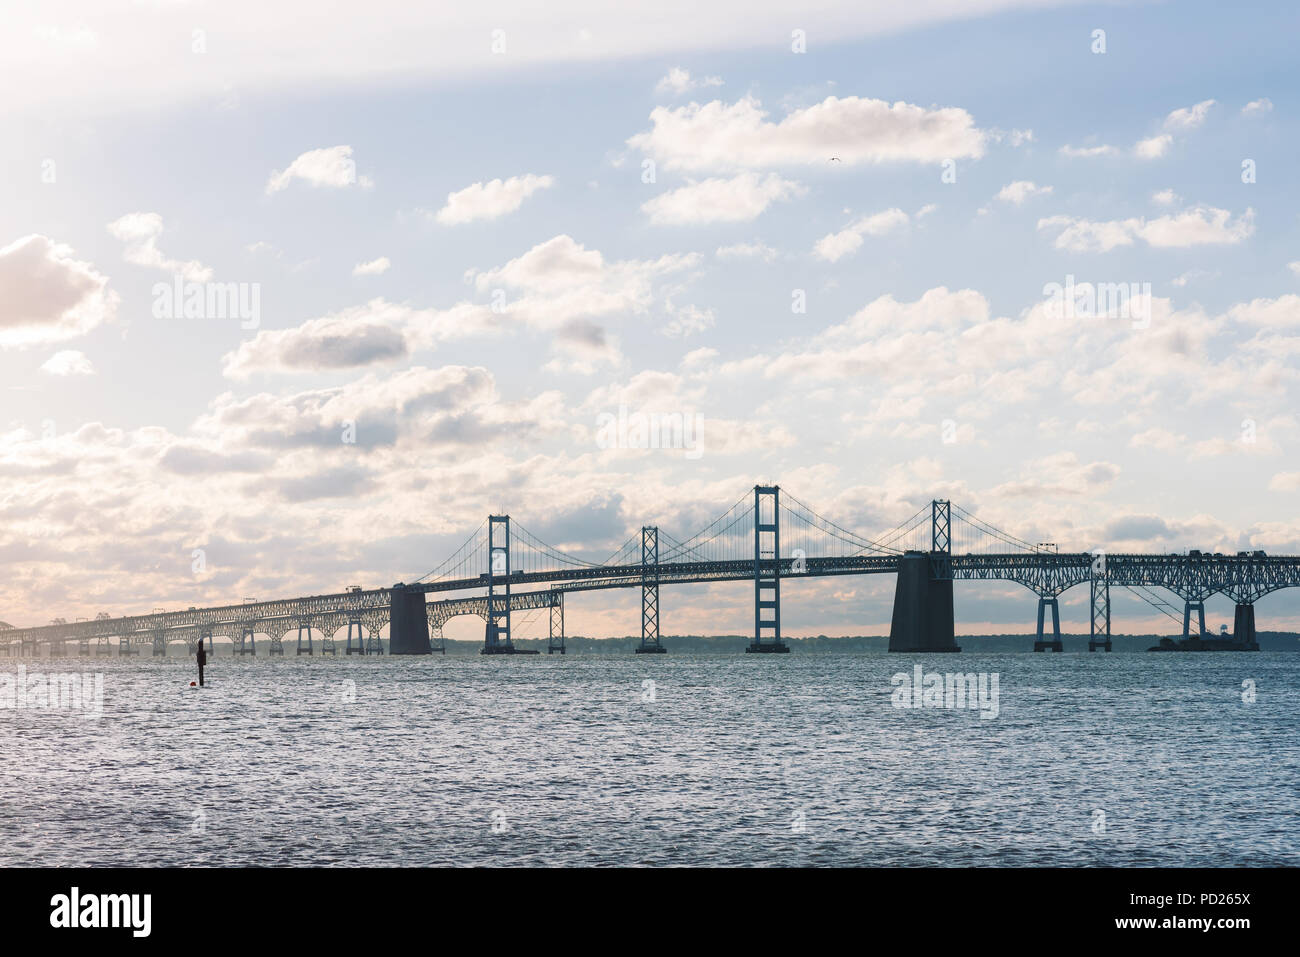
(767, 537)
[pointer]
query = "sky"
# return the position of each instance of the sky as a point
(292, 296)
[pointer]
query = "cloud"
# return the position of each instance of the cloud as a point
(1022, 189)
(490, 200)
(1189, 118)
(332, 166)
(737, 200)
(1183, 120)
(1199, 226)
(375, 267)
(679, 81)
(68, 362)
(350, 339)
(687, 321)
(1153, 148)
(857, 130)
(1257, 107)
(754, 250)
(47, 296)
(1088, 151)
(1165, 197)
(1285, 482)
(140, 232)
(835, 246)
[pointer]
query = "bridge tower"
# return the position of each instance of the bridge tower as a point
(767, 571)
(247, 641)
(1099, 585)
(650, 593)
(1188, 608)
(497, 638)
(555, 642)
(923, 614)
(304, 630)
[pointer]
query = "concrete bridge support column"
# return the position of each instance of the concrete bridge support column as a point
(354, 624)
(304, 630)
(160, 646)
(1188, 608)
(124, 648)
(923, 616)
(247, 642)
(1243, 626)
(277, 646)
(408, 624)
(1055, 644)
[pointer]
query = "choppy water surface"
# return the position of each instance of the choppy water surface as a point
(737, 760)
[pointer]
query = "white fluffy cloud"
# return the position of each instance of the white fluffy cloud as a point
(332, 166)
(740, 199)
(490, 200)
(48, 296)
(1022, 189)
(857, 130)
(1153, 147)
(68, 362)
(1188, 118)
(1201, 225)
(374, 267)
(1257, 107)
(140, 232)
(835, 246)
(754, 250)
(1088, 151)
(678, 81)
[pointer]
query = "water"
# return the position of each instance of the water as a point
(738, 760)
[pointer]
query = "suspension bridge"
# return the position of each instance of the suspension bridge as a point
(768, 537)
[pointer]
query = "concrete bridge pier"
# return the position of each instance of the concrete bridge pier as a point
(1055, 643)
(1188, 608)
(1243, 626)
(124, 648)
(923, 616)
(408, 624)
